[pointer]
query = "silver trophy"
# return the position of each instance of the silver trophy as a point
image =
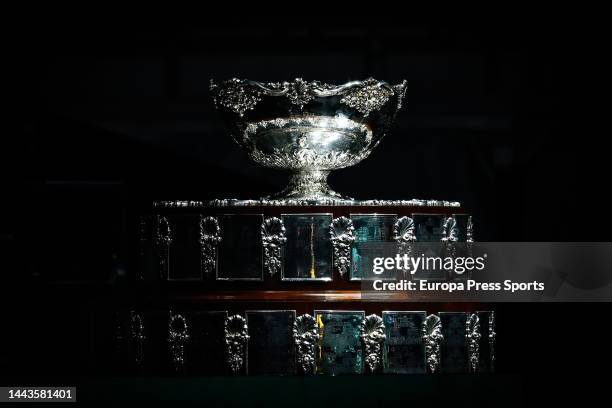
(310, 128)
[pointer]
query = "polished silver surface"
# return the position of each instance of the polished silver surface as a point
(310, 128)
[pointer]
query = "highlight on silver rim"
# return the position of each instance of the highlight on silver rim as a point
(235, 202)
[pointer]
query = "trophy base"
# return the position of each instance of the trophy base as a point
(309, 186)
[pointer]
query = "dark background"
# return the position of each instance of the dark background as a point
(107, 116)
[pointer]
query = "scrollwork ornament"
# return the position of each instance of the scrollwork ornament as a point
(342, 237)
(473, 339)
(273, 238)
(178, 335)
(373, 336)
(236, 337)
(432, 337)
(137, 335)
(305, 336)
(210, 237)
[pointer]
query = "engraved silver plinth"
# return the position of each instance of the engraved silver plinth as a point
(309, 128)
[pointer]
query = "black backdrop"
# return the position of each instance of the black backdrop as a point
(111, 115)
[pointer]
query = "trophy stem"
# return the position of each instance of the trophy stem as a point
(308, 185)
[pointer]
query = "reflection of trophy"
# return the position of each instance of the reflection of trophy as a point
(309, 128)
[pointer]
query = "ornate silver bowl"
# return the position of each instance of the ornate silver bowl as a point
(309, 128)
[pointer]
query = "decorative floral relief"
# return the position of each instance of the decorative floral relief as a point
(178, 335)
(369, 96)
(299, 92)
(400, 91)
(236, 337)
(492, 336)
(450, 230)
(137, 336)
(163, 239)
(342, 237)
(234, 202)
(306, 336)
(366, 96)
(273, 238)
(373, 336)
(235, 95)
(473, 338)
(432, 336)
(450, 235)
(307, 159)
(403, 234)
(470, 230)
(210, 237)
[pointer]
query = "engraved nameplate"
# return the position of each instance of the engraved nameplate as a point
(454, 357)
(308, 250)
(240, 249)
(147, 265)
(340, 350)
(270, 348)
(404, 351)
(185, 252)
(373, 233)
(207, 348)
(430, 228)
